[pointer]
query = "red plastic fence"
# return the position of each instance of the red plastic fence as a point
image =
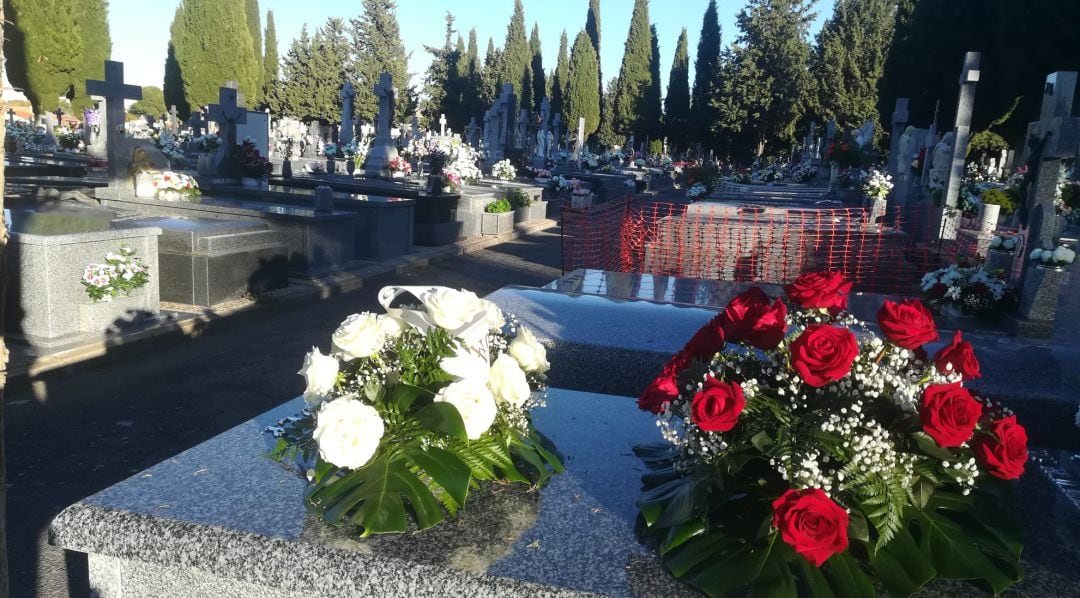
(881, 253)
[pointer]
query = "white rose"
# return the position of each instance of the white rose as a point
(320, 371)
(466, 366)
(507, 381)
(529, 353)
(1064, 255)
(474, 402)
(451, 309)
(1035, 254)
(361, 335)
(348, 432)
(495, 318)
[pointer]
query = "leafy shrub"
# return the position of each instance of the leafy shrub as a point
(519, 199)
(499, 206)
(1001, 198)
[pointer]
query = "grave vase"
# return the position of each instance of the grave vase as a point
(1042, 287)
(205, 166)
(522, 215)
(997, 259)
(350, 166)
(436, 182)
(331, 166)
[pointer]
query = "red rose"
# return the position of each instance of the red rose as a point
(707, 341)
(665, 387)
(819, 290)
(949, 414)
(907, 324)
(1004, 456)
(717, 407)
(937, 291)
(823, 354)
(961, 355)
(751, 318)
(814, 525)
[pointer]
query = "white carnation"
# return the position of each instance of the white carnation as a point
(495, 318)
(529, 353)
(348, 433)
(474, 402)
(451, 309)
(363, 335)
(320, 371)
(507, 381)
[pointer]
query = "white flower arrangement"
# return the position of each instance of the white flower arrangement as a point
(122, 272)
(973, 290)
(504, 170)
(1004, 244)
(170, 183)
(1057, 257)
(877, 184)
(437, 395)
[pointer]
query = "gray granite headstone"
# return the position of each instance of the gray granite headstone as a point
(227, 114)
(115, 91)
(348, 96)
(969, 78)
(556, 130)
(470, 132)
(383, 148)
(1056, 136)
(580, 142)
(898, 163)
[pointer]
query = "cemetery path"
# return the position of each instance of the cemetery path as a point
(71, 436)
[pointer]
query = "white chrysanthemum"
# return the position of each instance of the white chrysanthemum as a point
(320, 371)
(1064, 255)
(451, 309)
(363, 335)
(348, 432)
(529, 353)
(507, 381)
(474, 402)
(495, 318)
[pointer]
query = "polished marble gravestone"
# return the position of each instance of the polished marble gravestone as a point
(223, 520)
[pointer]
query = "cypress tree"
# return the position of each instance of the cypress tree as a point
(96, 49)
(270, 65)
(377, 48)
(635, 78)
(606, 135)
(329, 70)
(173, 86)
(677, 102)
(707, 82)
(251, 9)
(472, 83)
(490, 75)
(516, 62)
(539, 81)
(560, 77)
(439, 82)
(581, 98)
(44, 49)
(654, 113)
(592, 27)
(848, 60)
(152, 103)
(212, 46)
(297, 74)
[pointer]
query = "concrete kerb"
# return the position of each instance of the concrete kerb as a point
(220, 317)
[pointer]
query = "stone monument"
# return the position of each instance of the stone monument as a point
(580, 141)
(115, 91)
(227, 114)
(899, 123)
(470, 132)
(348, 96)
(95, 136)
(969, 78)
(382, 148)
(196, 122)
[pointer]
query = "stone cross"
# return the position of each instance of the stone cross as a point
(521, 137)
(196, 122)
(556, 127)
(115, 91)
(899, 124)
(580, 140)
(59, 116)
(545, 114)
(969, 78)
(227, 114)
(383, 149)
(470, 132)
(807, 153)
(174, 120)
(348, 96)
(442, 125)
(1054, 137)
(11, 115)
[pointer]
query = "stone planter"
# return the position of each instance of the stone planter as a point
(96, 317)
(144, 185)
(496, 224)
(1042, 287)
(205, 165)
(538, 210)
(522, 214)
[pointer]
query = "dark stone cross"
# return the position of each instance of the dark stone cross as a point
(115, 91)
(1055, 137)
(227, 114)
(196, 122)
(11, 115)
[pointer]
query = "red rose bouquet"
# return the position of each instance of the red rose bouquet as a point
(811, 455)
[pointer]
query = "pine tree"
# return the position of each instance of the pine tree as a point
(152, 103)
(707, 80)
(329, 70)
(653, 115)
(516, 62)
(296, 71)
(213, 45)
(270, 77)
(635, 78)
(581, 98)
(490, 75)
(560, 77)
(539, 82)
(848, 60)
(769, 64)
(44, 49)
(377, 48)
(677, 102)
(96, 49)
(251, 8)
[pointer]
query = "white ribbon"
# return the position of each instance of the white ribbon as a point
(473, 332)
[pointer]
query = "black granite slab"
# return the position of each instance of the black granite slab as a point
(225, 510)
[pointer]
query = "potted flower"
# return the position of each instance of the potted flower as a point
(349, 150)
(498, 218)
(174, 186)
(399, 167)
(111, 283)
(696, 191)
(1056, 259)
(250, 166)
(520, 202)
(330, 150)
(437, 159)
(877, 184)
(504, 170)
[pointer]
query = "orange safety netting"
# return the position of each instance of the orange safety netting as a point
(885, 252)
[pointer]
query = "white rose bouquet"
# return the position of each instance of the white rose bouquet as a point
(504, 170)
(418, 405)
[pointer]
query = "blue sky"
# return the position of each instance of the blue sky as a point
(140, 30)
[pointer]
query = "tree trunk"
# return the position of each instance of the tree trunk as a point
(3, 352)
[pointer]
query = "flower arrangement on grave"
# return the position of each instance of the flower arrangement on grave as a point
(972, 291)
(1067, 193)
(697, 191)
(248, 162)
(1004, 244)
(29, 135)
(208, 143)
(809, 455)
(518, 199)
(504, 170)
(121, 273)
(579, 187)
(802, 173)
(877, 184)
(452, 183)
(844, 154)
(639, 163)
(419, 405)
(330, 150)
(1000, 196)
(499, 206)
(1058, 257)
(399, 164)
(543, 176)
(71, 141)
(772, 173)
(170, 185)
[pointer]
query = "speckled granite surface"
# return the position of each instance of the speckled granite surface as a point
(222, 511)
